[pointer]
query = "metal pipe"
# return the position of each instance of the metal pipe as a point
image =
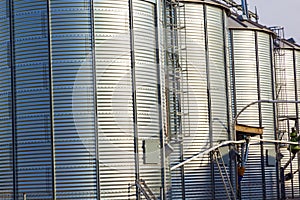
(206, 152)
(207, 62)
(260, 115)
(13, 98)
(245, 157)
(271, 47)
(95, 96)
(134, 98)
(259, 101)
(282, 183)
(226, 143)
(51, 101)
(245, 8)
(274, 141)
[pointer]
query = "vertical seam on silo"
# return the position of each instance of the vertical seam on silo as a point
(226, 75)
(260, 114)
(134, 104)
(51, 101)
(93, 45)
(274, 114)
(232, 65)
(258, 78)
(229, 132)
(13, 98)
(161, 132)
(208, 98)
(233, 74)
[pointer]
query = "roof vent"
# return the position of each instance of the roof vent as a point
(245, 15)
(291, 40)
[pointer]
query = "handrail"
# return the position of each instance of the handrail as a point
(225, 144)
(206, 152)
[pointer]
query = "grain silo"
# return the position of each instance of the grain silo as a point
(252, 73)
(199, 99)
(80, 98)
(287, 63)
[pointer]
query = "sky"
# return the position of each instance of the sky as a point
(284, 13)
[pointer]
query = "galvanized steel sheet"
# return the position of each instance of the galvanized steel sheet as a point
(287, 70)
(252, 63)
(202, 74)
(57, 76)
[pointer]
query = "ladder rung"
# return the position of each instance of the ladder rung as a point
(181, 114)
(180, 28)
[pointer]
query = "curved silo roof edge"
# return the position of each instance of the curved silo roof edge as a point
(248, 25)
(209, 2)
(289, 44)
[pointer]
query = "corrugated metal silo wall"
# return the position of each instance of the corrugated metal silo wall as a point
(73, 100)
(115, 85)
(204, 102)
(252, 67)
(48, 86)
(286, 63)
(30, 103)
(6, 141)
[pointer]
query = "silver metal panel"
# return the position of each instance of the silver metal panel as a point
(245, 75)
(32, 100)
(218, 90)
(243, 42)
(286, 80)
(148, 108)
(195, 106)
(115, 106)
(251, 84)
(6, 162)
(115, 113)
(73, 100)
(201, 73)
(217, 74)
(266, 92)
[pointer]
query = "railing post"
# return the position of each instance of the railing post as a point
(282, 183)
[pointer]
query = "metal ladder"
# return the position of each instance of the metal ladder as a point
(218, 158)
(283, 118)
(176, 64)
(280, 72)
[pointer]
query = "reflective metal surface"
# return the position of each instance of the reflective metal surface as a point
(72, 80)
(251, 63)
(115, 103)
(203, 100)
(6, 164)
(31, 145)
(57, 80)
(287, 81)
